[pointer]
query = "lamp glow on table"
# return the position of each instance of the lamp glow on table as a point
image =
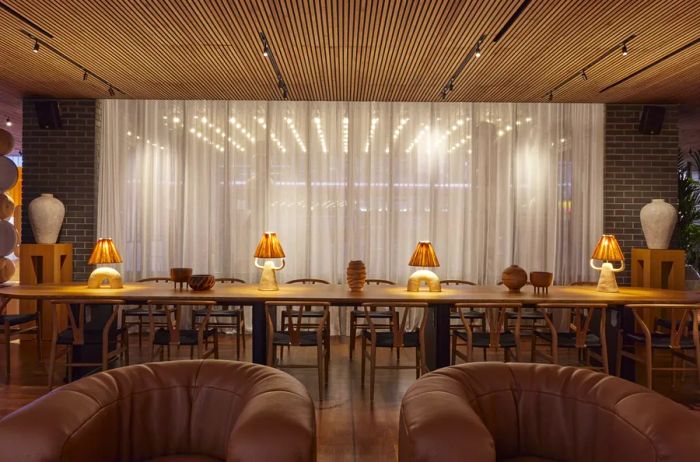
(424, 256)
(269, 248)
(105, 252)
(608, 251)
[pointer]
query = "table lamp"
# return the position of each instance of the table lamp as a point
(268, 248)
(105, 252)
(608, 251)
(424, 256)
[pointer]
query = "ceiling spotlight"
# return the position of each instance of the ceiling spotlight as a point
(266, 51)
(111, 91)
(36, 46)
(550, 97)
(477, 52)
(85, 74)
(583, 74)
(624, 49)
(8, 122)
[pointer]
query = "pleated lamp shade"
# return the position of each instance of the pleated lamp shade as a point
(104, 252)
(424, 256)
(269, 247)
(608, 249)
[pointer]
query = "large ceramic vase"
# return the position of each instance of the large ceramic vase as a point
(658, 219)
(514, 277)
(356, 275)
(46, 217)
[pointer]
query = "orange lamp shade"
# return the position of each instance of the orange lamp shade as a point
(269, 247)
(105, 252)
(607, 249)
(424, 256)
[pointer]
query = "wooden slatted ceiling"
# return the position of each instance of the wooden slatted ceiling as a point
(384, 50)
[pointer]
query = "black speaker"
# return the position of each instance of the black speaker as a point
(48, 113)
(652, 120)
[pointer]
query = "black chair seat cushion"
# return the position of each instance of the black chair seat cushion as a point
(666, 323)
(568, 339)
(372, 314)
(658, 340)
(14, 319)
(91, 336)
(235, 313)
(307, 338)
(187, 336)
(386, 339)
(482, 339)
(304, 314)
(140, 311)
(469, 315)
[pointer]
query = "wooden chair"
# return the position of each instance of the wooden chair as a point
(140, 312)
(474, 315)
(295, 333)
(680, 339)
(174, 334)
(221, 317)
(14, 325)
(310, 317)
(357, 316)
(396, 337)
(579, 336)
(78, 334)
(497, 335)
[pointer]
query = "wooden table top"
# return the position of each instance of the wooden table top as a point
(340, 295)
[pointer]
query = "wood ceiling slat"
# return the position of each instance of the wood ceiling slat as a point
(384, 50)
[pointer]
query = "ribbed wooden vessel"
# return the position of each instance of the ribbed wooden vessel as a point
(514, 277)
(202, 281)
(356, 275)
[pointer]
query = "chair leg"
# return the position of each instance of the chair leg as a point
(353, 332)
(417, 363)
(241, 323)
(216, 344)
(327, 359)
(363, 360)
(140, 332)
(453, 356)
(320, 358)
(649, 355)
(372, 370)
(38, 334)
(238, 340)
(191, 351)
(618, 355)
(7, 352)
(533, 348)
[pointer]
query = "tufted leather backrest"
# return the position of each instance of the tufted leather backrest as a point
(220, 409)
(499, 411)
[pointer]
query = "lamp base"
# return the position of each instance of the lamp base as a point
(112, 276)
(268, 279)
(607, 282)
(423, 275)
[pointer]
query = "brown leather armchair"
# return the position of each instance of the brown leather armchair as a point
(538, 412)
(184, 411)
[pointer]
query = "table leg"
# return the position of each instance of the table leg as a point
(620, 318)
(259, 333)
(437, 336)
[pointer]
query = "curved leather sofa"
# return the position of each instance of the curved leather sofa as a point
(537, 412)
(184, 411)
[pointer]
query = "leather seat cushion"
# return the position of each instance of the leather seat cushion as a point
(15, 319)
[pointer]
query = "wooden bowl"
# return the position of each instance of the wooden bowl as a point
(180, 274)
(541, 279)
(201, 282)
(514, 277)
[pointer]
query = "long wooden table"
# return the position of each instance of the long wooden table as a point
(437, 333)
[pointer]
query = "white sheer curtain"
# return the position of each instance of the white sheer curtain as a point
(195, 183)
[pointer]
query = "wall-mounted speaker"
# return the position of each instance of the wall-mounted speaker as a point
(48, 114)
(652, 120)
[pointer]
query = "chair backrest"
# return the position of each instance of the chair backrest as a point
(681, 316)
(156, 279)
(400, 313)
(456, 282)
(174, 314)
(230, 280)
(294, 319)
(496, 319)
(308, 281)
(580, 318)
(379, 282)
(77, 318)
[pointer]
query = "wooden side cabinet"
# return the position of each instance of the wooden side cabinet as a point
(44, 263)
(658, 269)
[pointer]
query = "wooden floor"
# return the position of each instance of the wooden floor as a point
(349, 427)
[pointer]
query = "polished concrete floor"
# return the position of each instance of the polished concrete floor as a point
(350, 428)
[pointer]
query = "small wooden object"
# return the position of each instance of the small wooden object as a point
(201, 282)
(541, 280)
(514, 278)
(180, 277)
(356, 275)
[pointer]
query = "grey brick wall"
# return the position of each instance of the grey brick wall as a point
(64, 162)
(638, 168)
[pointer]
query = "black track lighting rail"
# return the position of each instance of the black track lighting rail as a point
(26, 20)
(511, 21)
(474, 52)
(37, 41)
(267, 52)
(649, 66)
(582, 72)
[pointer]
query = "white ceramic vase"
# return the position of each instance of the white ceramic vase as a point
(658, 219)
(46, 217)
